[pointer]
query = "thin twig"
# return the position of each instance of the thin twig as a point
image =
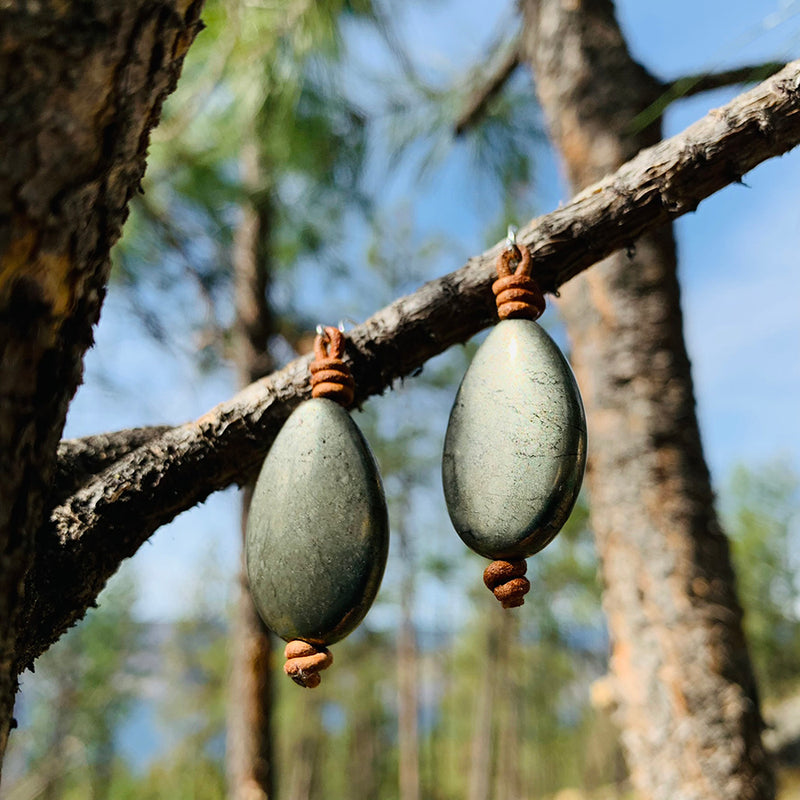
(691, 85)
(475, 108)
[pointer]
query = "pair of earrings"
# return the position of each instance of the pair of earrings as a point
(515, 449)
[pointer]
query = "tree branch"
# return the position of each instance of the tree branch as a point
(475, 107)
(109, 517)
(687, 86)
(82, 459)
(691, 85)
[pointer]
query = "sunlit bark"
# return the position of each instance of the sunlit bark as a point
(685, 690)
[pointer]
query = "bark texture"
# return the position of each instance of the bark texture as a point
(249, 757)
(81, 86)
(117, 509)
(685, 691)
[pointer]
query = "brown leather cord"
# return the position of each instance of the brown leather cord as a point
(304, 662)
(517, 294)
(505, 579)
(330, 376)
(329, 344)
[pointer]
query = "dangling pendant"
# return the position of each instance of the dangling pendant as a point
(318, 532)
(515, 448)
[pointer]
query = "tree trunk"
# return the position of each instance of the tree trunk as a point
(687, 702)
(81, 86)
(250, 761)
(101, 772)
(481, 763)
(407, 693)
(249, 756)
(304, 778)
(508, 783)
(53, 767)
(368, 749)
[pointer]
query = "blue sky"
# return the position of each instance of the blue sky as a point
(739, 252)
(738, 265)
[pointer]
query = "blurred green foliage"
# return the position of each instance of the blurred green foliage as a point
(762, 515)
(502, 697)
(262, 77)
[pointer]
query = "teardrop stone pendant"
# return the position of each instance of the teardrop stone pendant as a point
(317, 533)
(515, 448)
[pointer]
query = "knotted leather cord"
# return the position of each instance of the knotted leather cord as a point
(506, 580)
(305, 661)
(517, 294)
(330, 376)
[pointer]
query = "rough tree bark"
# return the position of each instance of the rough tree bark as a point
(116, 509)
(249, 756)
(683, 681)
(81, 86)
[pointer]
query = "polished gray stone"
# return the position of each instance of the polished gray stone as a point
(515, 448)
(317, 533)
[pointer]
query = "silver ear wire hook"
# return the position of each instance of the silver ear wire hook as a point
(343, 321)
(511, 237)
(322, 332)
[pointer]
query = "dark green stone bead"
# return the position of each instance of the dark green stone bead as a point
(317, 532)
(515, 448)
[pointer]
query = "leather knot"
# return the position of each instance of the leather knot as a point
(517, 294)
(505, 579)
(304, 662)
(330, 376)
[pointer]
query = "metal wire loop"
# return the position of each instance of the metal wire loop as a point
(511, 237)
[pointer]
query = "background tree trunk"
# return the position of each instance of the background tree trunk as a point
(508, 781)
(304, 779)
(249, 756)
(682, 676)
(482, 756)
(407, 683)
(53, 769)
(81, 86)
